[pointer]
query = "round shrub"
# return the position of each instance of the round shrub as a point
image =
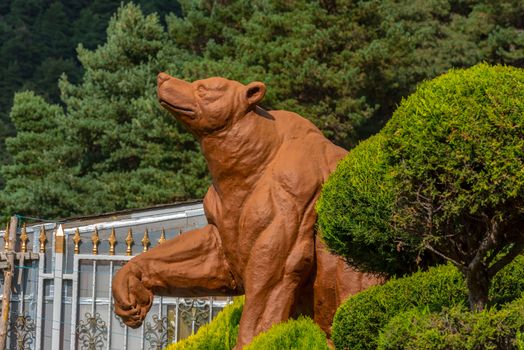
(456, 149)
(455, 329)
(359, 320)
(219, 334)
(354, 212)
(444, 177)
(361, 317)
(298, 334)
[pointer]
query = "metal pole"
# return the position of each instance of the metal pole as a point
(56, 338)
(8, 279)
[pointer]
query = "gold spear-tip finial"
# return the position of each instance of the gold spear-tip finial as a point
(112, 242)
(6, 237)
(162, 236)
(145, 241)
(129, 242)
(77, 240)
(95, 239)
(23, 239)
(42, 239)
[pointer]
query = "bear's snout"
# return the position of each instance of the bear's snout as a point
(162, 77)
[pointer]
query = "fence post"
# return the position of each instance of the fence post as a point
(57, 293)
(8, 279)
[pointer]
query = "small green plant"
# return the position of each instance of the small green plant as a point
(220, 334)
(298, 334)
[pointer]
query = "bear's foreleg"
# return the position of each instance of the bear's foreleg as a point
(190, 265)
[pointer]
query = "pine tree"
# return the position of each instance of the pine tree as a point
(344, 65)
(37, 182)
(133, 152)
(114, 147)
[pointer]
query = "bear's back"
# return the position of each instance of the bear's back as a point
(304, 142)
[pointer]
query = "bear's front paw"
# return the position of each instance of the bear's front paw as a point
(132, 299)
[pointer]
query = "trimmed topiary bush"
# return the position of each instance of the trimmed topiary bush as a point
(220, 334)
(456, 148)
(444, 177)
(355, 208)
(298, 334)
(455, 329)
(360, 319)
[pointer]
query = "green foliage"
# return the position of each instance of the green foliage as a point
(345, 66)
(455, 147)
(352, 209)
(35, 181)
(298, 334)
(520, 340)
(508, 282)
(445, 177)
(455, 329)
(361, 318)
(118, 148)
(460, 139)
(220, 334)
(37, 45)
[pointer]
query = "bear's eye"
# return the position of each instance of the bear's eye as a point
(201, 90)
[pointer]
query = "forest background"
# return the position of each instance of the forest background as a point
(81, 131)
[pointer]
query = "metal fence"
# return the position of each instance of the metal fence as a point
(61, 296)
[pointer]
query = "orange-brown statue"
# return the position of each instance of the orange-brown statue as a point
(267, 170)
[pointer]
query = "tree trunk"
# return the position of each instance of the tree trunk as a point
(478, 286)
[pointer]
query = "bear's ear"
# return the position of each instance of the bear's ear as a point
(255, 91)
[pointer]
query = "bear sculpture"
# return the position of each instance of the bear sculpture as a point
(267, 171)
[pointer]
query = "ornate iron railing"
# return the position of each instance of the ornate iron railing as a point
(63, 297)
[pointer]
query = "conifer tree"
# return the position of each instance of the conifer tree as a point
(113, 147)
(37, 181)
(132, 150)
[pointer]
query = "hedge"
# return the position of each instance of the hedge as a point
(360, 318)
(455, 329)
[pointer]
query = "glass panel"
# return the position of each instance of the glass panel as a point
(134, 339)
(47, 315)
(117, 332)
(103, 289)
(85, 279)
(65, 330)
(69, 254)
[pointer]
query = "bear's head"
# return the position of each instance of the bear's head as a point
(208, 105)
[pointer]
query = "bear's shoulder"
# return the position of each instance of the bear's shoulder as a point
(292, 125)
